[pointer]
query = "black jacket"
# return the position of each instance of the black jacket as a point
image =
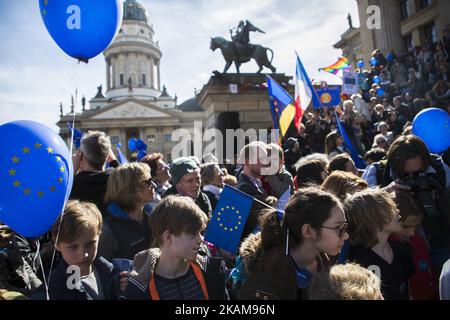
(202, 200)
(212, 199)
(245, 185)
(90, 186)
(121, 237)
(58, 290)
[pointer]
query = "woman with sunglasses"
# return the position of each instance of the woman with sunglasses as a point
(281, 260)
(126, 230)
(160, 175)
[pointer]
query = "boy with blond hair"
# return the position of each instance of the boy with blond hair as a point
(80, 274)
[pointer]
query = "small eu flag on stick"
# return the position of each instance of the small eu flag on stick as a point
(229, 218)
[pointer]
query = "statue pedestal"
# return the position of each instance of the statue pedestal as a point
(238, 101)
(250, 101)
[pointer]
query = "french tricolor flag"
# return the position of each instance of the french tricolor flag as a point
(304, 93)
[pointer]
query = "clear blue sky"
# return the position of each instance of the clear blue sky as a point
(35, 75)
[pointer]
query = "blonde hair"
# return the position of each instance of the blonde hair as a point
(345, 282)
(125, 184)
(79, 217)
(343, 184)
(230, 180)
(368, 212)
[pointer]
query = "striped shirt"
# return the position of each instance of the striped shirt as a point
(186, 287)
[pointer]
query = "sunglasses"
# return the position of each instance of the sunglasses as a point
(341, 229)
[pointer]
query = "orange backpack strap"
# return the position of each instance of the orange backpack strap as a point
(199, 275)
(154, 295)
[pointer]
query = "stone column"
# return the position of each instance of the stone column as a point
(389, 37)
(159, 77)
(152, 73)
(108, 74)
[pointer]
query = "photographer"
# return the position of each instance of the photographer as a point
(410, 167)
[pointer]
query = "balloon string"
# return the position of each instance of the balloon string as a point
(38, 255)
(75, 73)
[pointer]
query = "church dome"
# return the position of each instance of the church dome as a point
(190, 105)
(133, 10)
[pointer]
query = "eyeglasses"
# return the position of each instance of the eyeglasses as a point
(341, 229)
(150, 183)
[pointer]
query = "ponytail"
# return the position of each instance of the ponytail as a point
(273, 232)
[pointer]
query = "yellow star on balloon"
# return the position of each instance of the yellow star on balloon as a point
(49, 150)
(37, 145)
(12, 172)
(26, 191)
(16, 183)
(62, 169)
(15, 159)
(26, 150)
(60, 180)
(52, 188)
(40, 194)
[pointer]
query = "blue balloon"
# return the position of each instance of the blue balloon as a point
(132, 144)
(36, 177)
(433, 127)
(376, 79)
(140, 145)
(390, 57)
(141, 154)
(374, 62)
(380, 92)
(361, 64)
(82, 28)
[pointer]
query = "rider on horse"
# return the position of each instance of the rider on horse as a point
(241, 39)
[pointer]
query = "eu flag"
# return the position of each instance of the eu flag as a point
(77, 135)
(281, 106)
(359, 162)
(329, 97)
(229, 218)
(122, 158)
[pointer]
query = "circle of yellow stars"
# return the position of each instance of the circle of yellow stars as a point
(44, 11)
(326, 98)
(224, 211)
(16, 160)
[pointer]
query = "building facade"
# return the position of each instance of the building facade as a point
(403, 25)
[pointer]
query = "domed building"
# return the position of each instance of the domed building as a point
(134, 104)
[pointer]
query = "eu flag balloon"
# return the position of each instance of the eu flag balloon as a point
(36, 176)
(82, 28)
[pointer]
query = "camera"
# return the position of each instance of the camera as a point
(424, 187)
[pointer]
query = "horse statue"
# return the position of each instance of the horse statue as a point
(231, 54)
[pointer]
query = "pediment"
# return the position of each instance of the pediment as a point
(131, 110)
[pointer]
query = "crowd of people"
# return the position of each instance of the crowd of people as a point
(135, 231)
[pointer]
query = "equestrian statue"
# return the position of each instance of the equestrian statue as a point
(240, 50)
